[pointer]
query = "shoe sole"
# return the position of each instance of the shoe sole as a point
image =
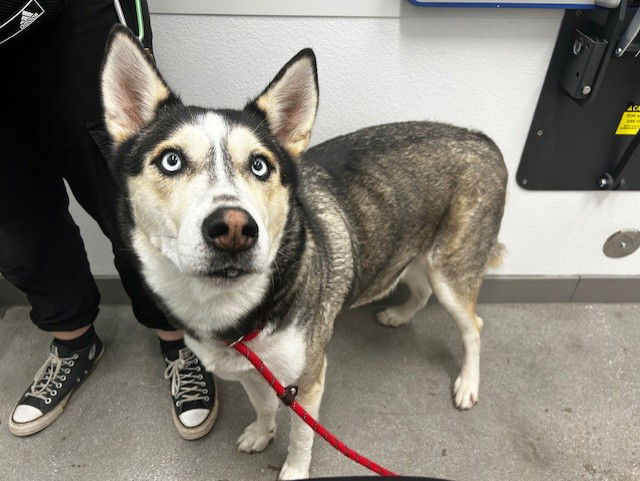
(202, 429)
(37, 425)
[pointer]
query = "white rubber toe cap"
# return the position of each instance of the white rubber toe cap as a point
(193, 417)
(25, 414)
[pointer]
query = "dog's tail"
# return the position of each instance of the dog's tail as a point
(496, 257)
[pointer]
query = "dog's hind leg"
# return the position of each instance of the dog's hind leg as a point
(259, 433)
(456, 265)
(460, 303)
(415, 277)
(298, 460)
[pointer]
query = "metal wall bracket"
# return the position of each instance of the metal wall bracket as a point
(592, 48)
(581, 69)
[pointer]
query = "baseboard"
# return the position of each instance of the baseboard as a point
(496, 289)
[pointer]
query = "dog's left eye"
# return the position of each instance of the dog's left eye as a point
(171, 162)
(260, 168)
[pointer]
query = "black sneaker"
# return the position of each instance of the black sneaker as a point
(52, 387)
(194, 394)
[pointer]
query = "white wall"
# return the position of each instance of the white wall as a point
(477, 68)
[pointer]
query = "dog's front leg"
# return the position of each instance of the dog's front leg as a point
(298, 460)
(259, 433)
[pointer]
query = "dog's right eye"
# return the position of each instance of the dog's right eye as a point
(260, 167)
(170, 163)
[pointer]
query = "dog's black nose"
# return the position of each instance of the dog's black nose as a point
(230, 229)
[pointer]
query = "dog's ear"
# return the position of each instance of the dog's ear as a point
(132, 88)
(290, 102)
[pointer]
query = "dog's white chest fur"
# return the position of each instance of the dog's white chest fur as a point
(284, 352)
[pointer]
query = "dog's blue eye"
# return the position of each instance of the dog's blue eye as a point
(260, 167)
(171, 162)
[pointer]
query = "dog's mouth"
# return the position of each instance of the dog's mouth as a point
(228, 273)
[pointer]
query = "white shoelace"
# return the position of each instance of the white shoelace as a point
(50, 377)
(187, 382)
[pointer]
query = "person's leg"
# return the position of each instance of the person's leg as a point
(170, 336)
(75, 135)
(41, 252)
(70, 335)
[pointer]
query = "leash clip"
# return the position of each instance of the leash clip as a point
(290, 393)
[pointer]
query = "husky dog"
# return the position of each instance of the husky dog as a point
(238, 228)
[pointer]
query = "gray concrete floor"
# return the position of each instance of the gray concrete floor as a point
(560, 399)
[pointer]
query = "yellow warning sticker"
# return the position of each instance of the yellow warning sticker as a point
(630, 121)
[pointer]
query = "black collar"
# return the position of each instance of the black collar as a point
(256, 320)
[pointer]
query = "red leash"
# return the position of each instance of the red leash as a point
(287, 396)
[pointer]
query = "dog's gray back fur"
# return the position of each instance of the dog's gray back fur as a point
(395, 184)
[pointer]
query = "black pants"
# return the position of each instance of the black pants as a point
(51, 129)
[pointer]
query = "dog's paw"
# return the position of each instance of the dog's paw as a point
(465, 391)
(293, 471)
(392, 317)
(255, 438)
